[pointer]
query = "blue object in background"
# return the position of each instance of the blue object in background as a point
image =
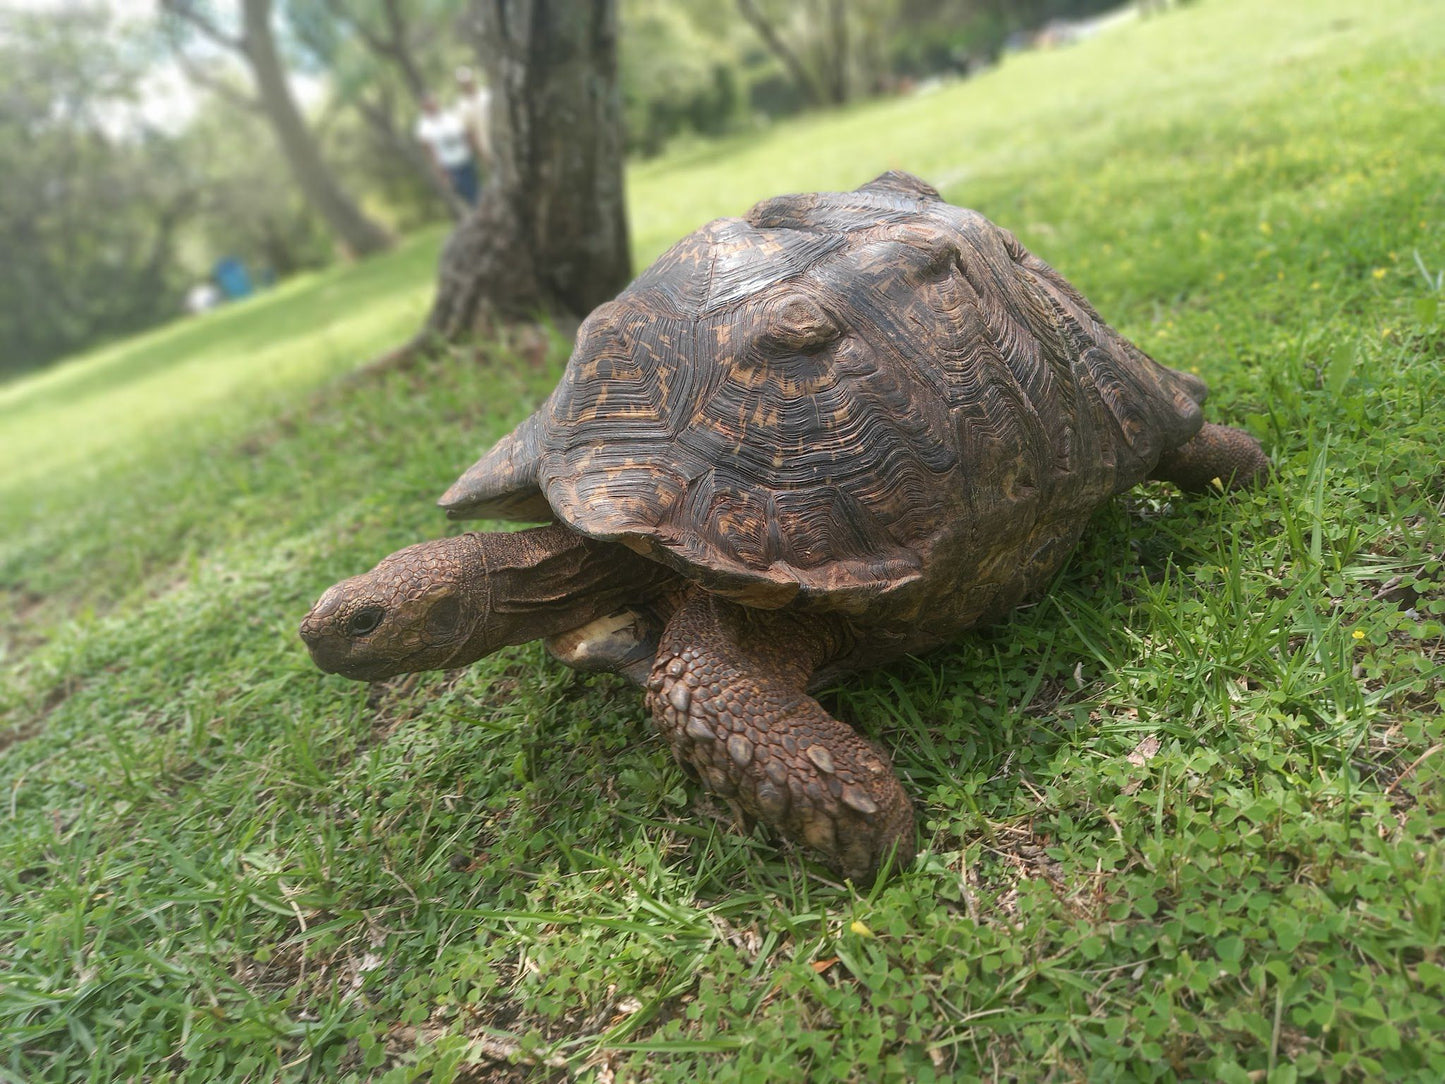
(232, 277)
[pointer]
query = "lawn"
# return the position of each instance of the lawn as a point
(1181, 819)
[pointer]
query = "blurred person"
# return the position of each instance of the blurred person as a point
(449, 149)
(231, 276)
(474, 106)
(202, 297)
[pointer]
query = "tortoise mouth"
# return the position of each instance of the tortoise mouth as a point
(335, 653)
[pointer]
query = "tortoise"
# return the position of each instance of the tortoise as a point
(838, 430)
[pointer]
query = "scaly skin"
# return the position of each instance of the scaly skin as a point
(1217, 451)
(727, 692)
(451, 601)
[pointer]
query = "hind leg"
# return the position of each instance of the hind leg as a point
(1217, 452)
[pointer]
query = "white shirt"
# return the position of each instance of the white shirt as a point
(446, 135)
(202, 297)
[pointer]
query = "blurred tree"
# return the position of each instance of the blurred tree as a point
(247, 204)
(929, 36)
(92, 201)
(834, 50)
(679, 72)
(813, 41)
(550, 231)
(194, 30)
(383, 57)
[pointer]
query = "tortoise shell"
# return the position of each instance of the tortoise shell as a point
(863, 401)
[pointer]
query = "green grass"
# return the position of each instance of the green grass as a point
(1182, 819)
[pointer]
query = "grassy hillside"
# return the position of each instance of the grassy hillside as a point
(1182, 819)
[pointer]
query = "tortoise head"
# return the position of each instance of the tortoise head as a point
(447, 603)
(423, 608)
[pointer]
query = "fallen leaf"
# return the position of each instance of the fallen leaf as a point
(1142, 754)
(1144, 751)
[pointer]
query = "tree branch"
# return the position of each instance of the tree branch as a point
(379, 117)
(405, 58)
(393, 46)
(204, 24)
(369, 38)
(782, 50)
(182, 11)
(200, 77)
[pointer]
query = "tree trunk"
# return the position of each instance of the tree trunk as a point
(550, 231)
(358, 234)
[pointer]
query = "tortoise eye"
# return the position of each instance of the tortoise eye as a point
(365, 621)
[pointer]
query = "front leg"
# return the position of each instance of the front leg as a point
(728, 693)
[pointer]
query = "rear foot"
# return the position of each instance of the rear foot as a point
(1217, 456)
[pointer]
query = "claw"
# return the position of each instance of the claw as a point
(856, 797)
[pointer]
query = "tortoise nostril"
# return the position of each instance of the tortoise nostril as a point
(313, 625)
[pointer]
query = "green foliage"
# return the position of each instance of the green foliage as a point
(931, 36)
(248, 205)
(89, 213)
(379, 60)
(1182, 819)
(108, 215)
(676, 76)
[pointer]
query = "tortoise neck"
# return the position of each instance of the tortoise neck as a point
(536, 583)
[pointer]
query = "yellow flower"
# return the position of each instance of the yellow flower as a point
(1358, 634)
(1379, 272)
(858, 927)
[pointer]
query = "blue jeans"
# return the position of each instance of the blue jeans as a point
(465, 182)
